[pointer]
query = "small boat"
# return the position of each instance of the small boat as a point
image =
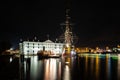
(46, 54)
(42, 54)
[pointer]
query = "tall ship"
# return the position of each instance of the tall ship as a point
(68, 38)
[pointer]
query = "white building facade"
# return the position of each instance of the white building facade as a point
(32, 48)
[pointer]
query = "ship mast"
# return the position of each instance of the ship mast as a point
(68, 36)
(68, 33)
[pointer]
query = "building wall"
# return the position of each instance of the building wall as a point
(28, 47)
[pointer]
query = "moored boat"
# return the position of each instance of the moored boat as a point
(47, 54)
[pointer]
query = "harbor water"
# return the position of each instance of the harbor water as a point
(82, 67)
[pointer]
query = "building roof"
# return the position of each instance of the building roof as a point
(49, 41)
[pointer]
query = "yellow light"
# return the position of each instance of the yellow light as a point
(67, 45)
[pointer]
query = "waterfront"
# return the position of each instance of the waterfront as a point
(83, 67)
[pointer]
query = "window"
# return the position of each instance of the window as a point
(28, 51)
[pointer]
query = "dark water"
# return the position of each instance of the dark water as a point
(84, 67)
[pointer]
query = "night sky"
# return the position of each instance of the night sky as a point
(95, 23)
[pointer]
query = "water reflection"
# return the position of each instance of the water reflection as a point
(66, 71)
(66, 75)
(11, 59)
(51, 69)
(91, 66)
(97, 64)
(46, 69)
(98, 67)
(108, 66)
(84, 67)
(118, 69)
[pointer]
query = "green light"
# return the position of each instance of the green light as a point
(114, 57)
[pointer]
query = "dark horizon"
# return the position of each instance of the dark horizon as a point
(95, 23)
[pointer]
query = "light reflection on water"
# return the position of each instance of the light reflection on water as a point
(66, 75)
(118, 69)
(51, 69)
(84, 67)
